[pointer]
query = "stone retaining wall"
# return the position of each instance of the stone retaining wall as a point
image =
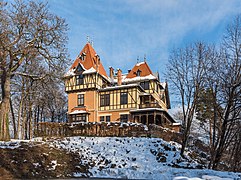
(117, 129)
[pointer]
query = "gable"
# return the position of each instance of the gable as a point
(89, 59)
(140, 70)
(79, 69)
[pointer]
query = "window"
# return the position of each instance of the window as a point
(82, 56)
(145, 85)
(80, 100)
(79, 79)
(123, 98)
(79, 118)
(124, 118)
(104, 100)
(102, 118)
(138, 72)
(105, 118)
(79, 69)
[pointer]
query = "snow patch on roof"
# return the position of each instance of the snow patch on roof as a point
(78, 112)
(163, 84)
(70, 73)
(139, 78)
(89, 71)
(140, 63)
(121, 86)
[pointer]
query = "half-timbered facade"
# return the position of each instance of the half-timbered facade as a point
(94, 96)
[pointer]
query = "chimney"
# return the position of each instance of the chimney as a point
(119, 77)
(97, 62)
(111, 72)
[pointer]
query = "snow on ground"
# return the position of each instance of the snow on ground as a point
(136, 158)
(15, 143)
(11, 144)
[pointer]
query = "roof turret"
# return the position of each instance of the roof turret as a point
(88, 58)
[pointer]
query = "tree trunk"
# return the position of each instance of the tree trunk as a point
(52, 116)
(221, 143)
(37, 120)
(187, 129)
(30, 123)
(15, 133)
(184, 142)
(41, 114)
(19, 115)
(5, 107)
(23, 128)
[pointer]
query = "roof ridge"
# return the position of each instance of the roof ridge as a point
(148, 68)
(143, 67)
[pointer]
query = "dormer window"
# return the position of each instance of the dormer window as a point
(138, 72)
(79, 69)
(82, 56)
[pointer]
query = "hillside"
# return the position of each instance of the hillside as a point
(105, 157)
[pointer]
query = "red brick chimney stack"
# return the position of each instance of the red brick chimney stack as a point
(111, 72)
(119, 77)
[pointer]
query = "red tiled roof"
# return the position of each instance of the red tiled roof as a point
(90, 60)
(142, 67)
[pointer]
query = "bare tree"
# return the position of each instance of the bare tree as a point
(227, 69)
(220, 102)
(32, 96)
(208, 82)
(27, 31)
(185, 71)
(178, 115)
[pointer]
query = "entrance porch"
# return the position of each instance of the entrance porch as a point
(149, 116)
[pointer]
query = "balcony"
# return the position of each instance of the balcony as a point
(149, 105)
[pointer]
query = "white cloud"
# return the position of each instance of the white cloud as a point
(125, 29)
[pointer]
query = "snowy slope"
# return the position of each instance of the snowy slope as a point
(135, 158)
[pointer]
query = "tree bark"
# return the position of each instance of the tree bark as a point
(13, 120)
(186, 132)
(23, 128)
(20, 114)
(5, 107)
(30, 123)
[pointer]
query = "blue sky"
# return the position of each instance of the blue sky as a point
(122, 30)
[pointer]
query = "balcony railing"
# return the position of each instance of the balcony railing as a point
(150, 105)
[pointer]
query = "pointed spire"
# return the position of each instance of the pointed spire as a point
(158, 76)
(92, 41)
(144, 57)
(88, 39)
(137, 59)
